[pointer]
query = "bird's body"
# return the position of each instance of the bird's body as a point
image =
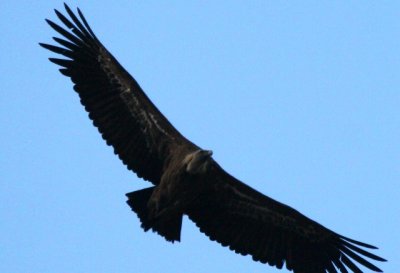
(186, 179)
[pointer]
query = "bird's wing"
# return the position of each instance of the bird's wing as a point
(125, 116)
(249, 222)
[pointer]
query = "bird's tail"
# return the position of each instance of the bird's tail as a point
(168, 227)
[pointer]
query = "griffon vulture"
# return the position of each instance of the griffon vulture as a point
(186, 179)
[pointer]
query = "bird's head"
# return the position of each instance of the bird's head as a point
(198, 161)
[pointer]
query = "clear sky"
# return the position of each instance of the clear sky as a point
(298, 99)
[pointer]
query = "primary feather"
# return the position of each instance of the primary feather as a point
(187, 180)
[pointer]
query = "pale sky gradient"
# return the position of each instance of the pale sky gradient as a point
(298, 99)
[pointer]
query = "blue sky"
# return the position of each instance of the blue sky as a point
(300, 100)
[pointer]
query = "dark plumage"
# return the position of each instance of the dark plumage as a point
(186, 180)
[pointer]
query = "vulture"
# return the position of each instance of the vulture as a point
(186, 179)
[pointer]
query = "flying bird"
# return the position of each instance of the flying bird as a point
(186, 179)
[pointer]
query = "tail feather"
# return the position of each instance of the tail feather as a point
(168, 227)
(138, 200)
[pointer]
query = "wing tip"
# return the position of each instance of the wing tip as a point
(358, 242)
(67, 8)
(48, 21)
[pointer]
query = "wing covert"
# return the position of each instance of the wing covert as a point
(248, 222)
(126, 118)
